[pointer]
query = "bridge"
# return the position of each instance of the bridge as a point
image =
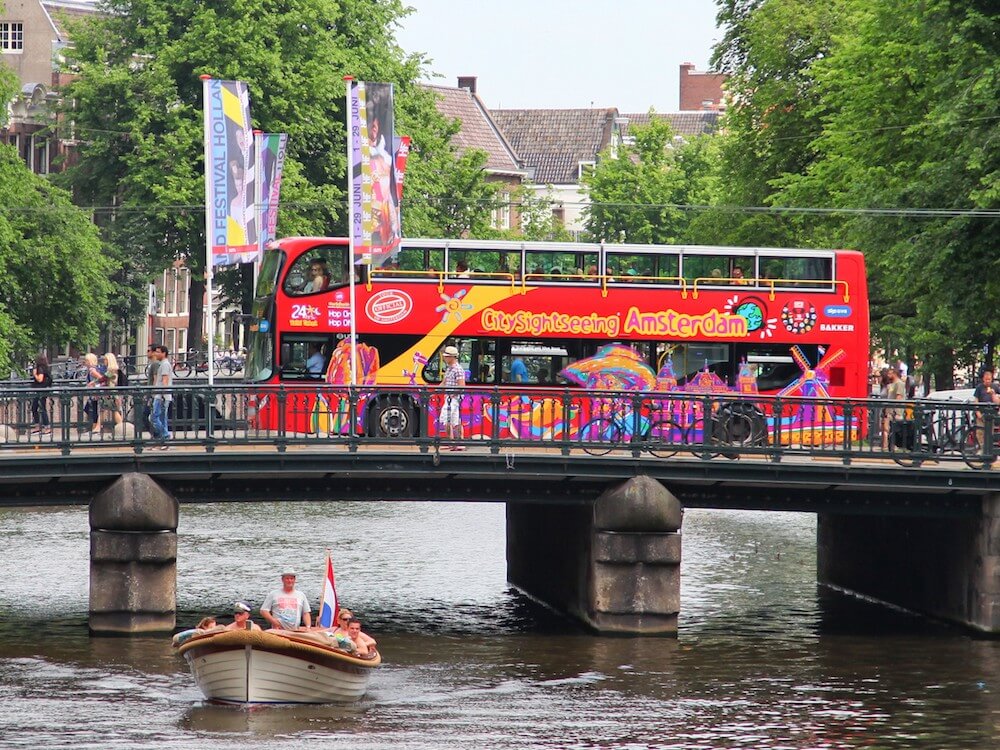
(594, 516)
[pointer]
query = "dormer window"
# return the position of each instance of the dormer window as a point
(11, 37)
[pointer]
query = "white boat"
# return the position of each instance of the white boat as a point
(273, 666)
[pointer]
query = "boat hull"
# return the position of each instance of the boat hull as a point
(238, 666)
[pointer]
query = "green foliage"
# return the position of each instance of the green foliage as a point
(8, 88)
(872, 105)
(637, 196)
(137, 104)
(55, 277)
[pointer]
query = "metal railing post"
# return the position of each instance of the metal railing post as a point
(354, 434)
(282, 398)
(495, 420)
(848, 432)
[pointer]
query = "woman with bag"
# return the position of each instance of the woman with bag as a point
(110, 404)
(41, 377)
(95, 379)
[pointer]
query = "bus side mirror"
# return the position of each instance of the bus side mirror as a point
(286, 355)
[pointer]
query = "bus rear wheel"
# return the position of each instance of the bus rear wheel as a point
(392, 417)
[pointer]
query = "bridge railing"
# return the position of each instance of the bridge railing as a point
(563, 421)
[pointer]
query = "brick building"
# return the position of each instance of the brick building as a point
(32, 38)
(701, 91)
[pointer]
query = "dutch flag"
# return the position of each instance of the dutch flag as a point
(328, 600)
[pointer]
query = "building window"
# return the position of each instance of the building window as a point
(40, 154)
(501, 214)
(11, 37)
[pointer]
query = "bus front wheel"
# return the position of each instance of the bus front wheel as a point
(392, 417)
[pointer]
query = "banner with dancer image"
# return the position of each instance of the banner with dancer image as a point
(229, 174)
(375, 216)
(272, 162)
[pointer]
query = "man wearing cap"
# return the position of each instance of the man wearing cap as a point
(287, 608)
(241, 618)
(451, 411)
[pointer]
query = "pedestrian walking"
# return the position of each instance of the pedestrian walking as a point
(162, 398)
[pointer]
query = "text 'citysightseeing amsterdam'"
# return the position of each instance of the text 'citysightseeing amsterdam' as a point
(655, 323)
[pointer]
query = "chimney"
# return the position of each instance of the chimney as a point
(467, 82)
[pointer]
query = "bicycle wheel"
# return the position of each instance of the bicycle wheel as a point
(664, 438)
(701, 446)
(600, 436)
(182, 368)
(972, 450)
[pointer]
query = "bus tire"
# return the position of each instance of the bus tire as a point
(392, 417)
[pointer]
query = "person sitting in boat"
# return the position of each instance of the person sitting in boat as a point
(241, 618)
(206, 623)
(344, 617)
(287, 608)
(361, 648)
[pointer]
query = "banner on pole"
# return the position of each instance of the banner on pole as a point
(272, 157)
(375, 217)
(229, 174)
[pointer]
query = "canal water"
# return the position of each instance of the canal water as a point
(764, 658)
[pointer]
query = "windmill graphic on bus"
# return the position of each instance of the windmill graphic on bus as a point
(812, 383)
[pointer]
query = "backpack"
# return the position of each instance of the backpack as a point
(122, 377)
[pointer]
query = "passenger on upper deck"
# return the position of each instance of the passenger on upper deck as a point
(738, 277)
(462, 269)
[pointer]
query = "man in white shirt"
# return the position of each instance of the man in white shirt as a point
(287, 608)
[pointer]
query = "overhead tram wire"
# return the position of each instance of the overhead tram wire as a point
(925, 213)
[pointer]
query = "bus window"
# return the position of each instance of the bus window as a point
(533, 362)
(809, 272)
(429, 259)
(772, 364)
(706, 267)
(668, 267)
(316, 271)
(304, 357)
(625, 267)
(270, 266)
(551, 265)
(691, 358)
(485, 264)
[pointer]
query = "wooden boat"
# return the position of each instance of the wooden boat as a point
(274, 666)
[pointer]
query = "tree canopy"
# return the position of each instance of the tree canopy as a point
(137, 105)
(638, 194)
(886, 111)
(55, 276)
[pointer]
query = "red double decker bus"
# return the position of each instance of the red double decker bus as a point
(529, 317)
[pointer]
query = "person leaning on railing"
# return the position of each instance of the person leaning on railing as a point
(985, 393)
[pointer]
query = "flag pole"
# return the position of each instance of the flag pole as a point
(349, 80)
(258, 189)
(206, 81)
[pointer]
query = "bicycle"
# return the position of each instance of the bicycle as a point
(619, 424)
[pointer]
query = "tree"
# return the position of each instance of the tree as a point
(636, 197)
(137, 103)
(55, 277)
(767, 49)
(909, 105)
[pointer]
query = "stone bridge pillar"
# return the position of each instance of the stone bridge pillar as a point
(133, 558)
(614, 565)
(943, 567)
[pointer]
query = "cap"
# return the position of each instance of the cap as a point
(241, 606)
(450, 351)
(288, 572)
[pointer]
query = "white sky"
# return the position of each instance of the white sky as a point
(561, 53)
